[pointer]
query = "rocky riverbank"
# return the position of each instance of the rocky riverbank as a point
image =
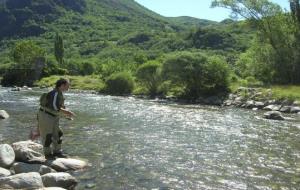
(23, 166)
(258, 99)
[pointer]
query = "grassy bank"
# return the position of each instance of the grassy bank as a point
(279, 92)
(290, 92)
(90, 82)
(93, 82)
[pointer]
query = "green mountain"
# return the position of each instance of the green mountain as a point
(187, 21)
(102, 31)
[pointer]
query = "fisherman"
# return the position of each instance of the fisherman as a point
(51, 108)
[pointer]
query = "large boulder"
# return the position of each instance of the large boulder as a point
(31, 180)
(66, 164)
(28, 151)
(275, 115)
(60, 179)
(21, 167)
(7, 155)
(4, 172)
(3, 114)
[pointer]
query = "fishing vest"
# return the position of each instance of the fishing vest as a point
(52, 101)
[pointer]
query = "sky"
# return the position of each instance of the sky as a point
(194, 8)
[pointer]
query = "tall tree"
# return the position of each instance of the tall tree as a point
(59, 49)
(275, 28)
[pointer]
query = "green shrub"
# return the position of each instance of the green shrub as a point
(198, 74)
(149, 76)
(119, 84)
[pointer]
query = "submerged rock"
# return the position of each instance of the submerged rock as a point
(7, 155)
(31, 180)
(60, 179)
(3, 114)
(4, 172)
(66, 164)
(275, 115)
(28, 151)
(21, 167)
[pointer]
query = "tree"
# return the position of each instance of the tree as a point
(29, 62)
(199, 74)
(275, 28)
(119, 84)
(59, 49)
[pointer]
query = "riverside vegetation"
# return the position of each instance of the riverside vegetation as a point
(121, 48)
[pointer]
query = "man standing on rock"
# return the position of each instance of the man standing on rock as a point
(51, 107)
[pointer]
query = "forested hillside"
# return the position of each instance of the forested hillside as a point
(107, 37)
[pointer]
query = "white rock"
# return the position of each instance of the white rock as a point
(28, 151)
(66, 164)
(21, 167)
(7, 155)
(60, 179)
(3, 114)
(28, 144)
(31, 180)
(4, 172)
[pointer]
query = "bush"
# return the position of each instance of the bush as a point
(198, 74)
(149, 76)
(119, 84)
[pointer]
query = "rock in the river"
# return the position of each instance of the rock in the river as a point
(66, 164)
(4, 172)
(250, 104)
(259, 105)
(21, 167)
(286, 109)
(295, 109)
(31, 180)
(272, 108)
(3, 114)
(52, 188)
(275, 115)
(60, 179)
(7, 155)
(296, 103)
(28, 151)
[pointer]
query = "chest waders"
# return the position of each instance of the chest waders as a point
(48, 121)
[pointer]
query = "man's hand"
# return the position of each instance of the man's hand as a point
(70, 114)
(67, 112)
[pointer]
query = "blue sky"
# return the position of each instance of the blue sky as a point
(195, 8)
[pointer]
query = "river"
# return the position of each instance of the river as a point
(142, 144)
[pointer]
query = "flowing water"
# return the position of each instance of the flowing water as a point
(141, 144)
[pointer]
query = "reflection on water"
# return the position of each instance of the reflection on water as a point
(141, 144)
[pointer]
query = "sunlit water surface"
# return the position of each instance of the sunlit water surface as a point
(141, 144)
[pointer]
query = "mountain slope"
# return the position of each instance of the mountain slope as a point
(98, 31)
